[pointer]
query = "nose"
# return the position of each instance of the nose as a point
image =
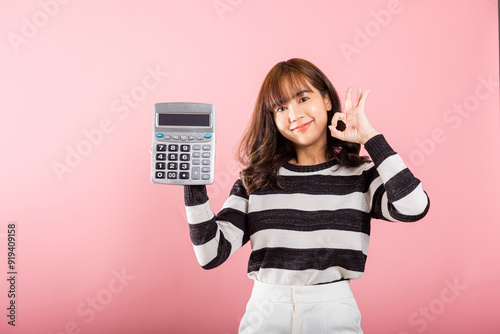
(295, 113)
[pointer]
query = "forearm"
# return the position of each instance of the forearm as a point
(214, 237)
(404, 198)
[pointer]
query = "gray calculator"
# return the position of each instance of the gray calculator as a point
(183, 149)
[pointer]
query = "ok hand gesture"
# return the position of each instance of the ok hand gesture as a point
(358, 128)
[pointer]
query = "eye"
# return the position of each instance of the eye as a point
(280, 109)
(304, 99)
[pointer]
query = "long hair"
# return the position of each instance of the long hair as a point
(263, 149)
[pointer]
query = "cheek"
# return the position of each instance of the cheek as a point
(321, 116)
(280, 123)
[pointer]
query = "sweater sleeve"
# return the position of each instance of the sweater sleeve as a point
(215, 237)
(394, 194)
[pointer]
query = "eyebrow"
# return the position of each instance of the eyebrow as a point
(302, 92)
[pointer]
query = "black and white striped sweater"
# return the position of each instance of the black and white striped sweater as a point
(316, 233)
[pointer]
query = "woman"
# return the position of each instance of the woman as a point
(305, 201)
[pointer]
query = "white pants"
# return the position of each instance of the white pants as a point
(318, 309)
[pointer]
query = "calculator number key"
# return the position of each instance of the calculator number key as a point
(160, 175)
(171, 175)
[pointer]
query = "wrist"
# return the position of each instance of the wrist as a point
(370, 136)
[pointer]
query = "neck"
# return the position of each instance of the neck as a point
(309, 156)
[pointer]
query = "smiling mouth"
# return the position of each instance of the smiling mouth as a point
(301, 127)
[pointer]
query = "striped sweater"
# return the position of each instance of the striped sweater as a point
(315, 232)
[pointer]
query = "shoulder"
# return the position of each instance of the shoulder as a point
(364, 168)
(239, 189)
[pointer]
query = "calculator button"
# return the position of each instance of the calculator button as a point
(191, 138)
(173, 148)
(172, 156)
(172, 165)
(205, 176)
(205, 162)
(196, 147)
(184, 175)
(175, 137)
(208, 136)
(167, 137)
(160, 156)
(161, 147)
(160, 165)
(171, 175)
(160, 175)
(185, 148)
(184, 157)
(200, 137)
(196, 161)
(196, 154)
(159, 135)
(205, 155)
(184, 166)
(205, 169)
(184, 138)
(205, 147)
(195, 173)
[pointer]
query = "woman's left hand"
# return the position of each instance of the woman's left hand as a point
(358, 128)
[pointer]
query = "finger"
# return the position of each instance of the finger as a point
(363, 98)
(360, 93)
(348, 102)
(336, 133)
(338, 116)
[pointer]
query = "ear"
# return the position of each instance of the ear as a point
(328, 103)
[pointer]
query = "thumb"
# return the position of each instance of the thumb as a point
(336, 133)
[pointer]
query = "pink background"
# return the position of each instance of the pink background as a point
(69, 68)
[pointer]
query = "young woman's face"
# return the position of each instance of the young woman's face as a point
(303, 119)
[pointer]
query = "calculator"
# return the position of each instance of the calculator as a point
(183, 151)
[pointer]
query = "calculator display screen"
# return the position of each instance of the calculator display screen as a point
(183, 119)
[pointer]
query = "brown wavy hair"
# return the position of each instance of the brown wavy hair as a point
(263, 149)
